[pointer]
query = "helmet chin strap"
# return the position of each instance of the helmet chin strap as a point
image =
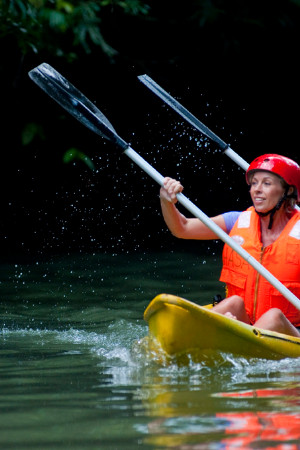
(273, 210)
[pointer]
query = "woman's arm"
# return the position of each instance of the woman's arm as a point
(178, 224)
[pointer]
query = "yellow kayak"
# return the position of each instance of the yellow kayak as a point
(185, 330)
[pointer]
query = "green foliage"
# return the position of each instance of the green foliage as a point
(31, 131)
(73, 155)
(60, 27)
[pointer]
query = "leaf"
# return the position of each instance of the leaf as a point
(57, 19)
(65, 6)
(30, 132)
(73, 155)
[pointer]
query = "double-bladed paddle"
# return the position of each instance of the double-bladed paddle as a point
(73, 101)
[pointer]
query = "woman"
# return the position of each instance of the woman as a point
(269, 231)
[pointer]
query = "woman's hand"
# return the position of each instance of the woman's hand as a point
(170, 189)
(179, 225)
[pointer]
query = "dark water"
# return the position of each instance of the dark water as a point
(75, 372)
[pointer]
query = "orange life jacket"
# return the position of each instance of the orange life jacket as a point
(282, 259)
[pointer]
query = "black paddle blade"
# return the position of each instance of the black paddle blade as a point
(189, 117)
(73, 101)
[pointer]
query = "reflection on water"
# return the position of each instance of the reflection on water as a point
(75, 371)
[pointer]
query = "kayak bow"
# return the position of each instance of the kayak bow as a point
(184, 329)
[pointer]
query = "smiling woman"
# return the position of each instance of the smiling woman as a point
(268, 231)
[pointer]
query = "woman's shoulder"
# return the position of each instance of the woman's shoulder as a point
(230, 218)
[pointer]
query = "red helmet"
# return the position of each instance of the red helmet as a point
(284, 167)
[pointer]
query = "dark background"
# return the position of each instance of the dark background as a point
(235, 66)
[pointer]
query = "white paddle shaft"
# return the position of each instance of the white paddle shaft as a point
(236, 158)
(216, 229)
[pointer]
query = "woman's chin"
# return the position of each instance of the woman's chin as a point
(261, 209)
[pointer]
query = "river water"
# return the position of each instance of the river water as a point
(75, 371)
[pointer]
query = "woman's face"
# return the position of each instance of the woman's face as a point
(265, 190)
